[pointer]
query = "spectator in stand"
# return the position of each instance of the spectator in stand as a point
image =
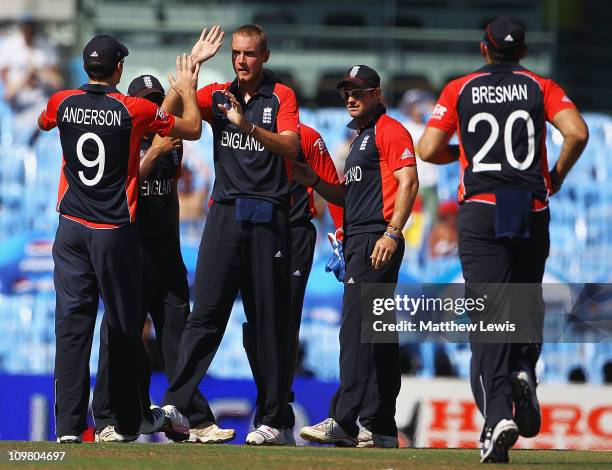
(29, 73)
(417, 105)
(191, 200)
(443, 238)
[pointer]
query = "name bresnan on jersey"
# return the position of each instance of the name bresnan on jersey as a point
(101, 117)
(499, 94)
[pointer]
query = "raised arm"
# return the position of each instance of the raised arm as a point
(205, 48)
(189, 126)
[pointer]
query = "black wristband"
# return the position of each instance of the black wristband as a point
(314, 185)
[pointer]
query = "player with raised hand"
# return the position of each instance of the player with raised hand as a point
(96, 248)
(500, 112)
(246, 242)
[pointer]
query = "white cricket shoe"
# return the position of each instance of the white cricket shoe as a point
(498, 440)
(365, 439)
(68, 439)
(210, 433)
(109, 434)
(175, 421)
(328, 432)
(266, 436)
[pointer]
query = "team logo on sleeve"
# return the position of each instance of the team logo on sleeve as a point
(407, 154)
(267, 116)
(439, 111)
(161, 115)
(320, 144)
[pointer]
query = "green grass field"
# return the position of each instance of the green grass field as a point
(188, 456)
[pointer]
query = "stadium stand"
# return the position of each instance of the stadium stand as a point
(580, 236)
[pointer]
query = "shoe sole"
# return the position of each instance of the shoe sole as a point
(193, 439)
(365, 444)
(506, 439)
(265, 443)
(529, 421)
(325, 440)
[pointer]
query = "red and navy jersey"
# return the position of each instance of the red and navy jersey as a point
(243, 166)
(313, 151)
(158, 205)
(500, 113)
(382, 147)
(100, 132)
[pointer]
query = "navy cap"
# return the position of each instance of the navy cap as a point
(105, 50)
(504, 34)
(361, 76)
(145, 85)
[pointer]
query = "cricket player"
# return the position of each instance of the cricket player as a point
(380, 185)
(96, 249)
(500, 113)
(314, 153)
(165, 290)
(246, 243)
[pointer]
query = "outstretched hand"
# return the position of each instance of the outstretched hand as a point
(186, 75)
(208, 44)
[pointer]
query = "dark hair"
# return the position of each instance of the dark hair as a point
(505, 56)
(256, 31)
(97, 70)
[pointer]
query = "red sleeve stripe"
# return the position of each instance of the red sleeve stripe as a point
(469, 78)
(527, 74)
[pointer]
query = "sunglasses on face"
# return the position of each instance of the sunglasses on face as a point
(357, 93)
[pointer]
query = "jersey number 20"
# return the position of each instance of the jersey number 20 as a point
(98, 161)
(484, 150)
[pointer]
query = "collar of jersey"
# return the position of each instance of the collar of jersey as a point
(500, 67)
(266, 88)
(378, 112)
(95, 88)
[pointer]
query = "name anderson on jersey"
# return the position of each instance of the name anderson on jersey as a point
(240, 141)
(499, 94)
(101, 117)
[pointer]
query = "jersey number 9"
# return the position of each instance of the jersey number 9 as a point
(98, 161)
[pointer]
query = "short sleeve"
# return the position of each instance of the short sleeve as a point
(394, 144)
(555, 100)
(48, 118)
(444, 114)
(288, 117)
(151, 118)
(204, 97)
(317, 156)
